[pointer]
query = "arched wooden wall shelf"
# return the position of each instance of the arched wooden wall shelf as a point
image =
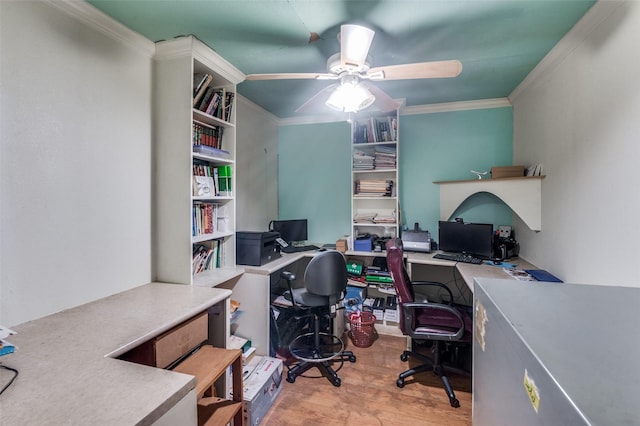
(521, 194)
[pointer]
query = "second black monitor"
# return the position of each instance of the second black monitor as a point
(292, 230)
(471, 238)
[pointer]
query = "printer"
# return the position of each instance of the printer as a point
(416, 240)
(256, 248)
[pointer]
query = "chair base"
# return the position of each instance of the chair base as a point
(323, 366)
(318, 350)
(436, 366)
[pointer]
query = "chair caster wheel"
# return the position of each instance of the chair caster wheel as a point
(291, 378)
(454, 402)
(404, 357)
(337, 382)
(400, 383)
(352, 358)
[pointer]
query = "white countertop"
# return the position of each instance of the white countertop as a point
(67, 371)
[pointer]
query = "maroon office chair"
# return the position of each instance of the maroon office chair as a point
(422, 320)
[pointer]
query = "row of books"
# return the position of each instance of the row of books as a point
(374, 187)
(376, 129)
(216, 102)
(205, 218)
(207, 135)
(209, 218)
(211, 181)
(382, 158)
(206, 257)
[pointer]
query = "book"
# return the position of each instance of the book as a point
(203, 87)
(204, 102)
(224, 180)
(203, 186)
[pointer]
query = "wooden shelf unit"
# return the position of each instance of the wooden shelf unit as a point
(176, 64)
(373, 204)
(522, 194)
(208, 365)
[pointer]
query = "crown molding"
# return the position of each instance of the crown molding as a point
(456, 106)
(405, 110)
(571, 41)
(190, 45)
(108, 26)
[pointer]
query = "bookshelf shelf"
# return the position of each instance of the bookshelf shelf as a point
(210, 119)
(194, 110)
(374, 177)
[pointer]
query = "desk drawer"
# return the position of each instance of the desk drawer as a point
(180, 340)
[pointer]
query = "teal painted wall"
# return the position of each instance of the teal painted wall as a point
(314, 164)
(446, 146)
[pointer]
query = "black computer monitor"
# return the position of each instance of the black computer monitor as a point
(290, 230)
(475, 239)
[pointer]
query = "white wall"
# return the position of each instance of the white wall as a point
(257, 167)
(75, 160)
(579, 115)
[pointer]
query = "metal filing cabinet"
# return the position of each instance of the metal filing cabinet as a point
(555, 354)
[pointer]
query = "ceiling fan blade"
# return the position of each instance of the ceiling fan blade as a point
(355, 42)
(435, 69)
(383, 101)
(317, 102)
(291, 76)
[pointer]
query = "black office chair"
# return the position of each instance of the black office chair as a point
(422, 320)
(325, 281)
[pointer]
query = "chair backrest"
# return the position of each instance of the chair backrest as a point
(399, 274)
(437, 321)
(326, 274)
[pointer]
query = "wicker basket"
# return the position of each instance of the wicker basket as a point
(362, 331)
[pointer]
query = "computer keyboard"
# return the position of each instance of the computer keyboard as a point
(295, 249)
(459, 257)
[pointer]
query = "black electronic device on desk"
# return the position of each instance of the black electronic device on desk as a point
(291, 230)
(468, 242)
(416, 239)
(293, 235)
(256, 248)
(458, 257)
(505, 244)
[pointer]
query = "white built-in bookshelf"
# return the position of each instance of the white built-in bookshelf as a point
(375, 208)
(194, 164)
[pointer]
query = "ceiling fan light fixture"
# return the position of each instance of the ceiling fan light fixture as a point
(355, 43)
(349, 97)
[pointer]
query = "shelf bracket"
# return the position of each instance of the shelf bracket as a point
(522, 195)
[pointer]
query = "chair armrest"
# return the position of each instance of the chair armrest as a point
(435, 284)
(289, 277)
(433, 332)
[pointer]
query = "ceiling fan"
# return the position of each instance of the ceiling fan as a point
(351, 66)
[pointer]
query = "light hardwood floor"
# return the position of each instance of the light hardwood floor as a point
(369, 395)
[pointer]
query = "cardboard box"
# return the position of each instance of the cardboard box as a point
(378, 308)
(341, 245)
(507, 171)
(262, 380)
(391, 312)
(352, 301)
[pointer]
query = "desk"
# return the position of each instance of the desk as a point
(468, 271)
(253, 290)
(68, 374)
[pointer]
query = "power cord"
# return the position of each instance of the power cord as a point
(15, 375)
